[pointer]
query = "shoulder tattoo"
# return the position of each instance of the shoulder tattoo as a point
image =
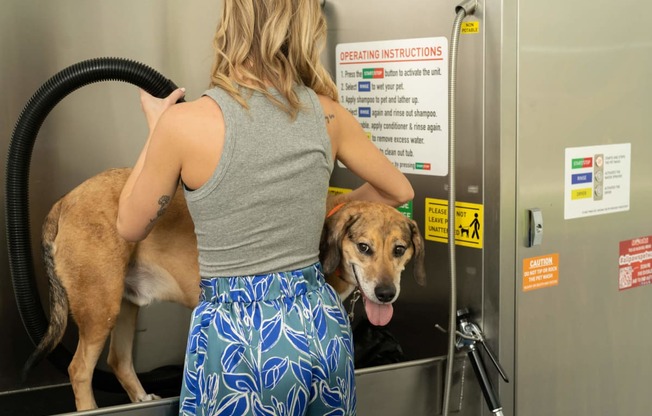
(329, 117)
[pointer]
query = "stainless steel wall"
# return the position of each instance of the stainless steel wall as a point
(100, 126)
(582, 347)
(537, 79)
(418, 310)
(97, 127)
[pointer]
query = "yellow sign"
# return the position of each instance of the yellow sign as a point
(336, 191)
(469, 222)
(470, 27)
(581, 193)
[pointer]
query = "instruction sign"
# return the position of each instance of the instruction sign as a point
(469, 222)
(597, 180)
(540, 272)
(398, 91)
(635, 263)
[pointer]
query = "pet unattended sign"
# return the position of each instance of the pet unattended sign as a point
(469, 222)
(398, 91)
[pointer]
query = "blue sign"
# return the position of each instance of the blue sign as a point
(582, 178)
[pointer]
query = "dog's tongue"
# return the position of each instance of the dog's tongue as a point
(378, 315)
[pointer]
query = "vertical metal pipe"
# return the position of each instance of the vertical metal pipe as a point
(461, 11)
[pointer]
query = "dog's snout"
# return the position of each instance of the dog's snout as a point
(385, 293)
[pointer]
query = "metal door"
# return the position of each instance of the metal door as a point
(581, 345)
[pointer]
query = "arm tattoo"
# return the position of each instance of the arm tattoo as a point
(163, 203)
(329, 117)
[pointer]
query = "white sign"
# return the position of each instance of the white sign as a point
(398, 91)
(597, 180)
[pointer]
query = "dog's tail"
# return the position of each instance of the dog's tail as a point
(58, 298)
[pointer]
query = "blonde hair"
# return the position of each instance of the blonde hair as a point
(277, 42)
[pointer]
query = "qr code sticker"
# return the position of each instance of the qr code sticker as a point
(625, 277)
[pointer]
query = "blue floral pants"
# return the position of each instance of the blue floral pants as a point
(277, 344)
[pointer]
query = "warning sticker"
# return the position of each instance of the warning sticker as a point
(470, 27)
(540, 272)
(469, 220)
(635, 263)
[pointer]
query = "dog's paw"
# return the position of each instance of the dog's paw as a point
(149, 397)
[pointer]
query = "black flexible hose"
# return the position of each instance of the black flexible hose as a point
(17, 183)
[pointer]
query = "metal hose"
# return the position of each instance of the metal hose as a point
(462, 10)
(17, 182)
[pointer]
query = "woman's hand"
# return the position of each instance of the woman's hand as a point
(153, 107)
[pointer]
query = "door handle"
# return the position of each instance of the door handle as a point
(535, 236)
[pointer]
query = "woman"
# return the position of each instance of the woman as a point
(255, 154)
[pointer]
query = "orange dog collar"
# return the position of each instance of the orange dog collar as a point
(335, 209)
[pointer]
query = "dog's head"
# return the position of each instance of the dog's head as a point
(370, 244)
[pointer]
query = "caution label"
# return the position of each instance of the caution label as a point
(469, 222)
(540, 272)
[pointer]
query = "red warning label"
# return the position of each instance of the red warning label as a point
(635, 263)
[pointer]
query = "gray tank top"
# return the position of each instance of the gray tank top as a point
(263, 208)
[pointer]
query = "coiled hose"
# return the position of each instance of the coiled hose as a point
(17, 191)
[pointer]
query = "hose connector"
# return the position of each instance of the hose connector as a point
(468, 6)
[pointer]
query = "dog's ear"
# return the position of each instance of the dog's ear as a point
(330, 246)
(329, 250)
(419, 256)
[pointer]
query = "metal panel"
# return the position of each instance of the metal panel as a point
(407, 389)
(388, 20)
(104, 126)
(163, 407)
(418, 309)
(500, 189)
(583, 80)
(97, 127)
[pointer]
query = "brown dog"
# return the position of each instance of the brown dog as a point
(367, 245)
(102, 280)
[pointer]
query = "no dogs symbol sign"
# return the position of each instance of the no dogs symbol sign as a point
(469, 222)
